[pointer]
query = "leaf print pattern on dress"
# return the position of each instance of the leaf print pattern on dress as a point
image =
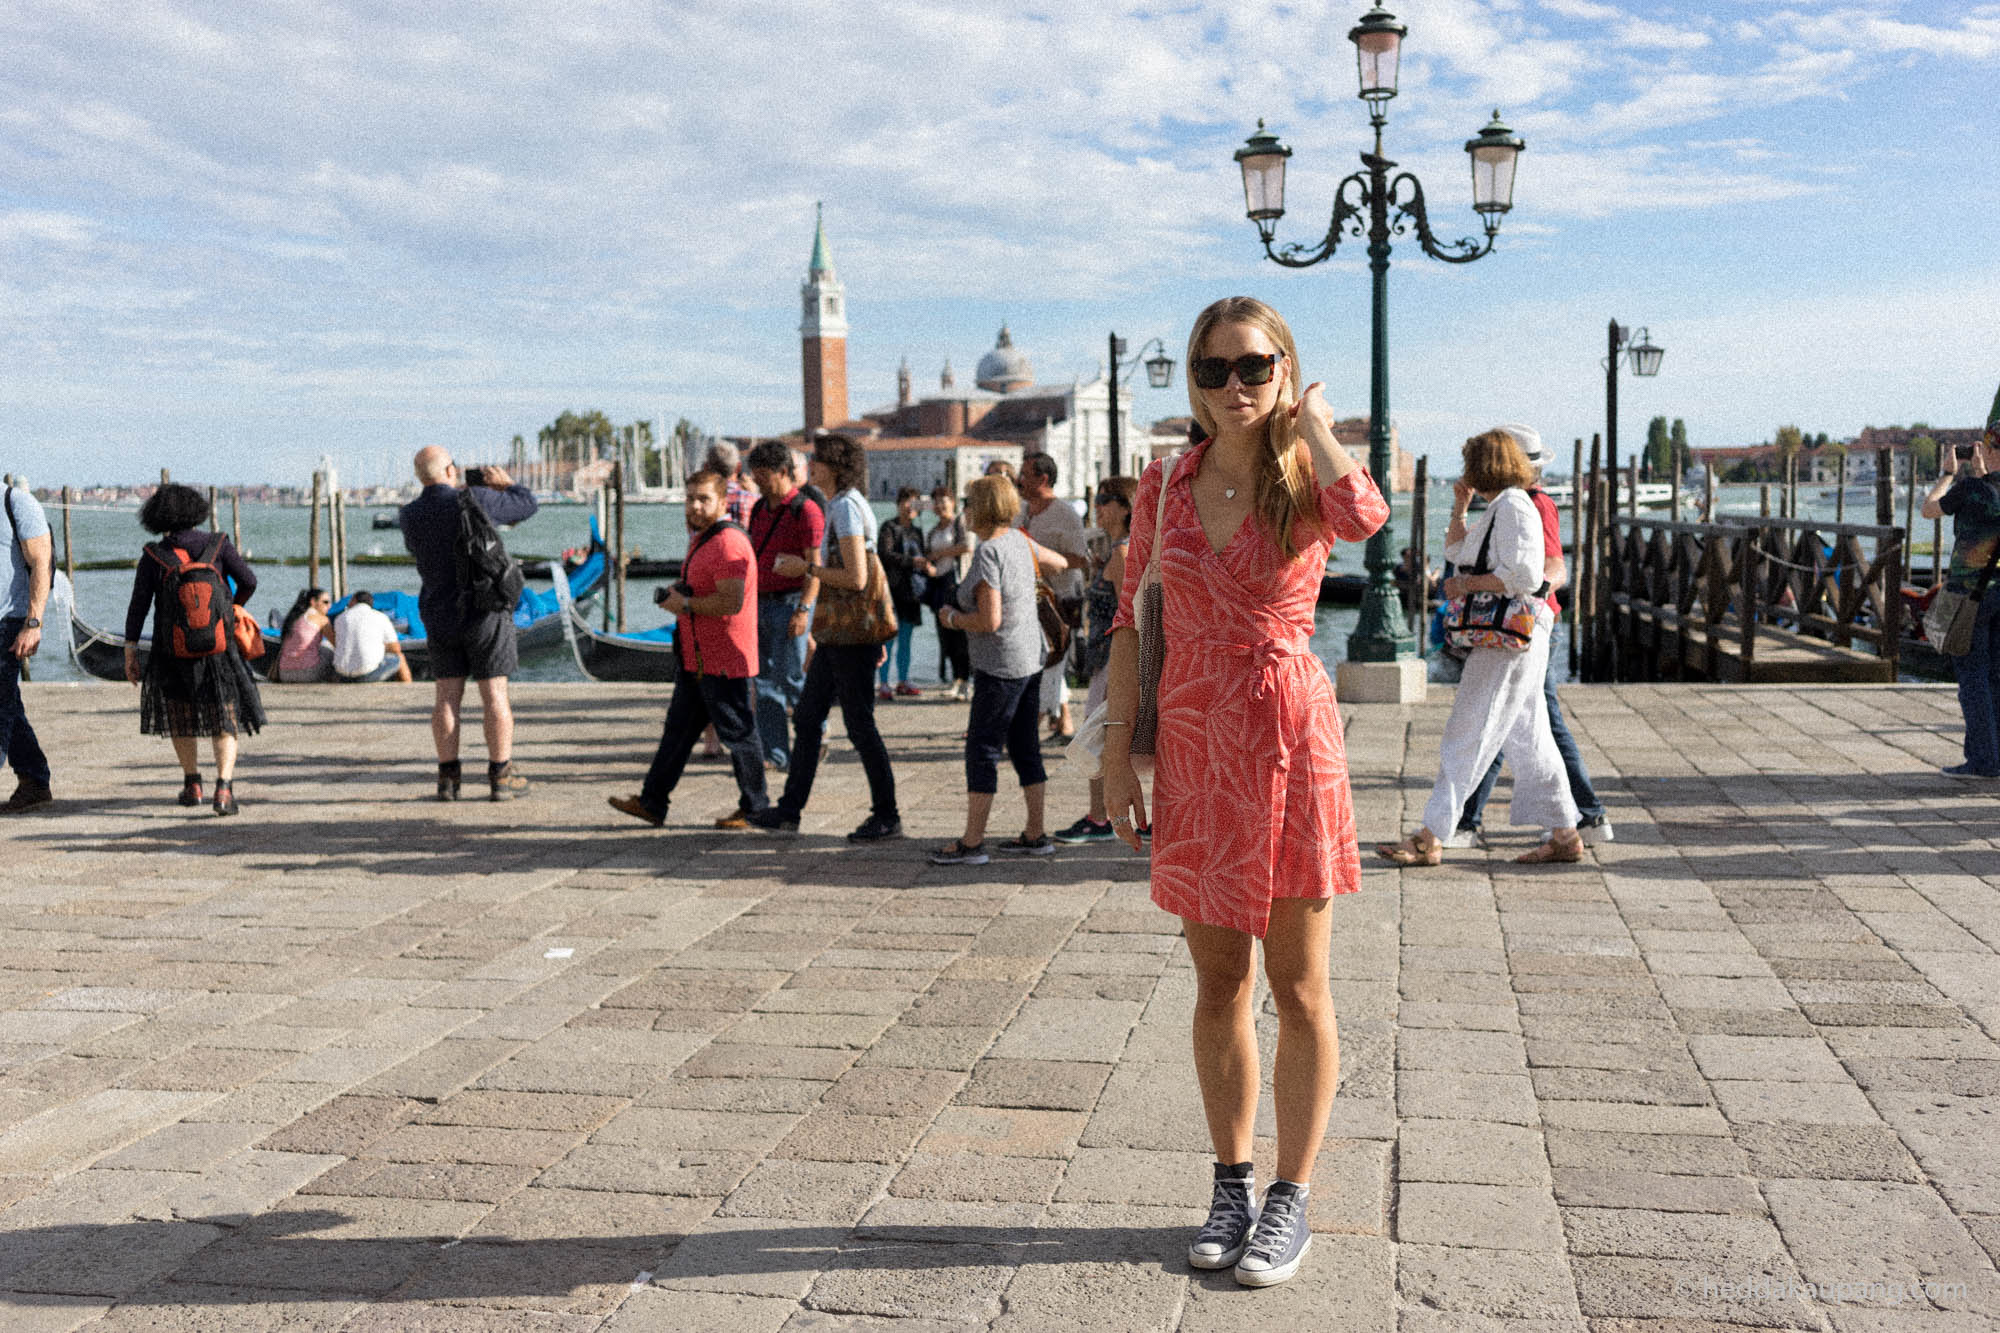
(1250, 796)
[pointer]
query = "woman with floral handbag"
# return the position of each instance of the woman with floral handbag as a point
(1501, 617)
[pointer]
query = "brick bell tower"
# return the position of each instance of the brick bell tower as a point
(823, 336)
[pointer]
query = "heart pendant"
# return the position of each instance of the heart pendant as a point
(1229, 492)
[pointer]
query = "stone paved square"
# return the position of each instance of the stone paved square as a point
(356, 1061)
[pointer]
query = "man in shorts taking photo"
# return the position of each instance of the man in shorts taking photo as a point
(464, 642)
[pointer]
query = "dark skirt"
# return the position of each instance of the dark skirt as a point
(201, 696)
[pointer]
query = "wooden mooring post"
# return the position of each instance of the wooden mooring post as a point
(214, 511)
(1840, 496)
(336, 533)
(618, 537)
(69, 547)
(1885, 488)
(312, 545)
(236, 520)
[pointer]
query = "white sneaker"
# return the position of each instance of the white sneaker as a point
(1595, 829)
(1464, 837)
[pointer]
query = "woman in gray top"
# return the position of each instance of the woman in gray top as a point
(996, 608)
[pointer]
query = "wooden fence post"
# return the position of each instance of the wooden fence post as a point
(1576, 550)
(1753, 539)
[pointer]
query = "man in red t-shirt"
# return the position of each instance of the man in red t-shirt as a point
(1592, 822)
(716, 637)
(785, 522)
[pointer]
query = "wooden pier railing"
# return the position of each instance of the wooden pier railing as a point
(1744, 599)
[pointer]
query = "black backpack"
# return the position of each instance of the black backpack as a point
(490, 579)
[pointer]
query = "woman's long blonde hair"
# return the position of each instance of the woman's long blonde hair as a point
(1284, 484)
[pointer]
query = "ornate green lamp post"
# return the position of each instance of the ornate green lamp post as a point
(1372, 204)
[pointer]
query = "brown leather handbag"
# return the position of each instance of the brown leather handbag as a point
(853, 617)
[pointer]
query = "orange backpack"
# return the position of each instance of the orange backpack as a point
(195, 612)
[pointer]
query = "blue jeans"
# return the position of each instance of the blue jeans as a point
(1580, 790)
(1979, 687)
(18, 745)
(697, 702)
(781, 673)
(1006, 716)
(899, 657)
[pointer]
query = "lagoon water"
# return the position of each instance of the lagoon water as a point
(272, 532)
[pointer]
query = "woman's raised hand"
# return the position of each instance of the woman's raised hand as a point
(1313, 418)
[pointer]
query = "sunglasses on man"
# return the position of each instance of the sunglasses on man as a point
(1212, 372)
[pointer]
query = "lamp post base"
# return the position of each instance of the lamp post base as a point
(1399, 682)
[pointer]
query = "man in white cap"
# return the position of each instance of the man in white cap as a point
(1592, 822)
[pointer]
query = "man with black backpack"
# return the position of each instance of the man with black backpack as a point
(467, 601)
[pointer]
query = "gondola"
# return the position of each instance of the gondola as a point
(538, 624)
(648, 656)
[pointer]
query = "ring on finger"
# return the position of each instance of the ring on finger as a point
(1126, 820)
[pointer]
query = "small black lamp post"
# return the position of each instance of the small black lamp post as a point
(1372, 204)
(1159, 374)
(1645, 359)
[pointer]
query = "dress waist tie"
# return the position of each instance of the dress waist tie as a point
(1264, 659)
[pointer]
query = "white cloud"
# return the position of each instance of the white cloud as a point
(1976, 36)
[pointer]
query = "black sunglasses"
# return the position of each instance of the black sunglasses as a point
(1212, 372)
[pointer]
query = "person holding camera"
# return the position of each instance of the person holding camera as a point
(1968, 488)
(463, 640)
(716, 637)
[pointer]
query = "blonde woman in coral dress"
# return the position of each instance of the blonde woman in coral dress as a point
(1253, 822)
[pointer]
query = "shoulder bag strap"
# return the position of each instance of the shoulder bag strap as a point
(1160, 509)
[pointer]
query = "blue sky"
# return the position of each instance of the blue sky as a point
(236, 235)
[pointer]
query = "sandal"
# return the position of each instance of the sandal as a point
(1411, 852)
(1557, 849)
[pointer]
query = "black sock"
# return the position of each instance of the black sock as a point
(494, 770)
(450, 768)
(1236, 1171)
(1290, 1187)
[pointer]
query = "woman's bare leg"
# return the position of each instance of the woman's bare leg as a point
(978, 808)
(1307, 1068)
(184, 750)
(1225, 1035)
(225, 755)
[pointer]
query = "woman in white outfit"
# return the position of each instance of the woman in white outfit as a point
(1500, 704)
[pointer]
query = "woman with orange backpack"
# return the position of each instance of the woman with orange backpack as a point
(194, 681)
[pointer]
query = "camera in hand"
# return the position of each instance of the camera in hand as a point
(1964, 451)
(682, 586)
(475, 476)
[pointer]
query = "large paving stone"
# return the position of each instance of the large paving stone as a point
(1870, 1238)
(1493, 1217)
(1470, 1152)
(1826, 1152)
(1050, 1085)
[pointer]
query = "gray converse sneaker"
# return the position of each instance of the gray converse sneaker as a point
(1231, 1215)
(1596, 829)
(1280, 1240)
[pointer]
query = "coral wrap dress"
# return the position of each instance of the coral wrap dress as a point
(1250, 798)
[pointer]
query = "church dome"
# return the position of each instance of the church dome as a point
(1005, 368)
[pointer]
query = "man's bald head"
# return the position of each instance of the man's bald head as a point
(433, 464)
